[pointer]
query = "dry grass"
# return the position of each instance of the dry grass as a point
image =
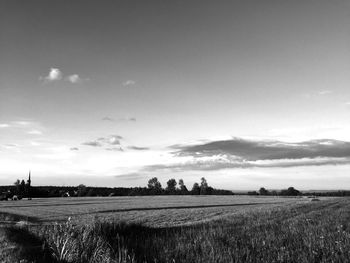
(151, 210)
(296, 230)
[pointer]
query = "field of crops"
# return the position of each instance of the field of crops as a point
(154, 211)
(179, 229)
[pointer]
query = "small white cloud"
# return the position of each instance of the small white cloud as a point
(347, 103)
(33, 143)
(75, 79)
(4, 125)
(325, 92)
(114, 140)
(35, 132)
(54, 75)
(129, 83)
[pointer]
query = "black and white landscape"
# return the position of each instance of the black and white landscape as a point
(183, 101)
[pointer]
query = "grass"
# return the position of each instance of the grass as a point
(298, 232)
(152, 210)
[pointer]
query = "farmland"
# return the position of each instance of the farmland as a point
(155, 211)
(178, 229)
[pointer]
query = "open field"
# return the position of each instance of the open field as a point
(156, 211)
(204, 229)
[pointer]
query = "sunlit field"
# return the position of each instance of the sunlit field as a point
(155, 211)
(177, 229)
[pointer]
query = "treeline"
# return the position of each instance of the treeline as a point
(331, 193)
(153, 187)
(291, 191)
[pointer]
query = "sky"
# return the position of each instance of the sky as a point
(248, 94)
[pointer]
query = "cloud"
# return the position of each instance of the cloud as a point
(108, 119)
(11, 145)
(347, 103)
(114, 140)
(129, 83)
(266, 150)
(75, 79)
(138, 148)
(324, 92)
(4, 125)
(118, 149)
(35, 132)
(23, 123)
(55, 74)
(130, 119)
(198, 164)
(92, 143)
(74, 149)
(130, 176)
(124, 119)
(242, 153)
(110, 140)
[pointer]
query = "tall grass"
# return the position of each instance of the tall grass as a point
(313, 232)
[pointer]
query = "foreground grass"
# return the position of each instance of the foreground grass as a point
(312, 232)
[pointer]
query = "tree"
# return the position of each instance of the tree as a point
(18, 186)
(263, 191)
(204, 186)
(154, 186)
(183, 188)
(22, 187)
(196, 190)
(171, 186)
(291, 191)
(82, 190)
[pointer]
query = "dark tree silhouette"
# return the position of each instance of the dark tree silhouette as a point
(204, 186)
(154, 186)
(22, 188)
(171, 186)
(263, 191)
(291, 191)
(82, 191)
(183, 188)
(196, 190)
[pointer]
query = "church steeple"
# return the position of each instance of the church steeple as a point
(29, 181)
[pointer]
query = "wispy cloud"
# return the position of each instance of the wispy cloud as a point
(325, 92)
(108, 119)
(122, 119)
(4, 125)
(129, 83)
(128, 119)
(242, 153)
(23, 123)
(92, 143)
(110, 140)
(35, 132)
(138, 148)
(267, 150)
(74, 149)
(75, 79)
(117, 149)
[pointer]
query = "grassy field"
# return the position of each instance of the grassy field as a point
(156, 211)
(203, 229)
